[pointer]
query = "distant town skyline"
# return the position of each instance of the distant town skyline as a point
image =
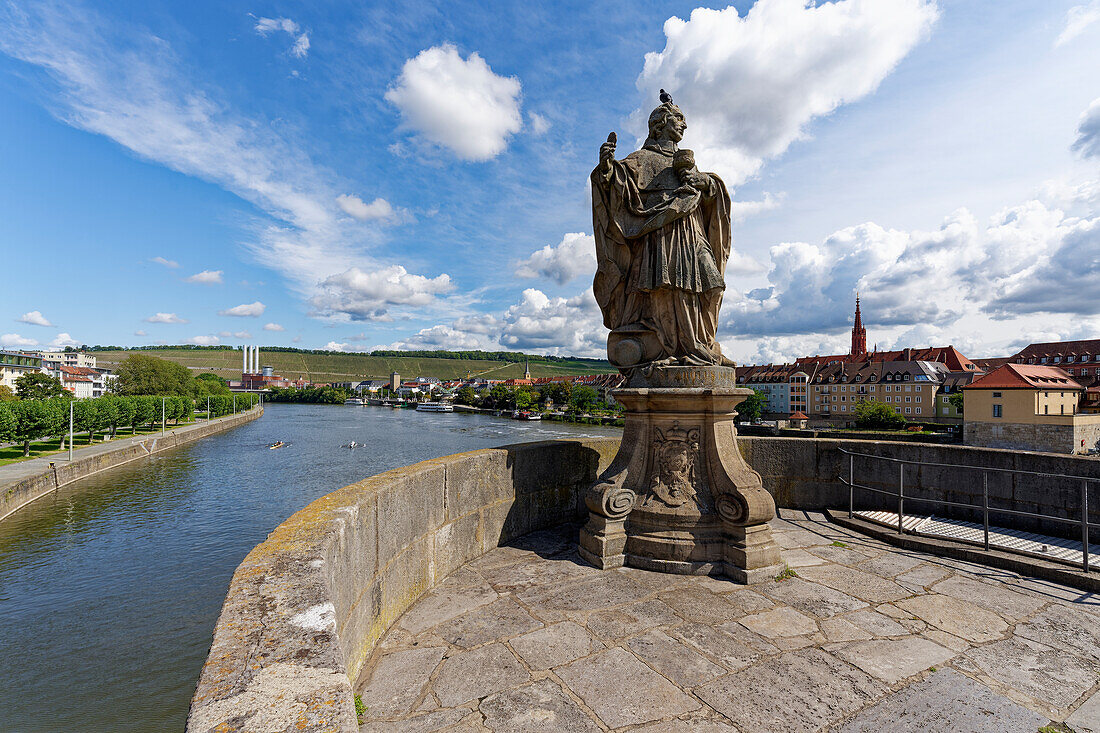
(353, 178)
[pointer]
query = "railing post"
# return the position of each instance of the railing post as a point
(1085, 526)
(985, 506)
(901, 495)
(851, 482)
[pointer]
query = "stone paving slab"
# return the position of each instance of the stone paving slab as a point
(945, 701)
(526, 638)
(622, 690)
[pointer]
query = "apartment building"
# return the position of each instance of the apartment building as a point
(14, 364)
(784, 386)
(912, 388)
(56, 359)
(1080, 359)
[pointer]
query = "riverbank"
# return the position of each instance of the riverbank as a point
(21, 483)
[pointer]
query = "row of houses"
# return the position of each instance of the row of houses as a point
(76, 370)
(828, 390)
(434, 388)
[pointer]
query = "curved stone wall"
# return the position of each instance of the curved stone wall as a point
(306, 607)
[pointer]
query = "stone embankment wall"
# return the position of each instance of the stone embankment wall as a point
(18, 494)
(1070, 434)
(306, 607)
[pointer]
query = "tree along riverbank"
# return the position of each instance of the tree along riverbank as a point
(28, 421)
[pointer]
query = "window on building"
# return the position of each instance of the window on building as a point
(996, 411)
(996, 395)
(1043, 360)
(1057, 360)
(908, 398)
(1069, 359)
(908, 410)
(1046, 409)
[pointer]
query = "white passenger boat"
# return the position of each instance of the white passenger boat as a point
(354, 401)
(434, 407)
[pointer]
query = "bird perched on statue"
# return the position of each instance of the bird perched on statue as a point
(666, 98)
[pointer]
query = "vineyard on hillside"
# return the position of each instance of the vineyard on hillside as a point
(335, 367)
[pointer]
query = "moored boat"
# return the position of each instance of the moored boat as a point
(434, 407)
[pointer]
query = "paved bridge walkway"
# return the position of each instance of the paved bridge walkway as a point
(858, 637)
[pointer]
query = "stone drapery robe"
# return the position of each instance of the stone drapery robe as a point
(661, 252)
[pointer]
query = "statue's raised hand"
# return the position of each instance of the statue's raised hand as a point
(607, 151)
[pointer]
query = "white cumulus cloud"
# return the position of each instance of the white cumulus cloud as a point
(367, 295)
(334, 346)
(203, 340)
(140, 332)
(537, 323)
(62, 340)
(379, 210)
(14, 340)
(166, 262)
(749, 85)
(34, 318)
(206, 277)
(166, 318)
(273, 327)
(245, 310)
(457, 103)
(574, 255)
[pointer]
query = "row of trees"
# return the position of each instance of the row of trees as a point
(574, 398)
(27, 420)
(315, 395)
(141, 374)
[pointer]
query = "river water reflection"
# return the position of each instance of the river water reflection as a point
(109, 588)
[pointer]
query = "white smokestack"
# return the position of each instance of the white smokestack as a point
(257, 358)
(244, 360)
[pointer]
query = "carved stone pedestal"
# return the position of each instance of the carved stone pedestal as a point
(679, 498)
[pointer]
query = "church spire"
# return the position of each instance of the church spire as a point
(859, 333)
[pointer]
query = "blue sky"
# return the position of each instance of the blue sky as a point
(414, 175)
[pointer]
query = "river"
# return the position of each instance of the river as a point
(110, 587)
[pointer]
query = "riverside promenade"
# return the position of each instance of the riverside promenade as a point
(23, 482)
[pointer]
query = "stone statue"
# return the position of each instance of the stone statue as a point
(678, 497)
(662, 231)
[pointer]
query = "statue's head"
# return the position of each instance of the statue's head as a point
(666, 122)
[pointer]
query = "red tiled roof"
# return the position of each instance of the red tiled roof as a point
(947, 355)
(799, 415)
(1025, 376)
(1060, 348)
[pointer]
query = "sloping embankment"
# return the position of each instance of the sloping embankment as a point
(17, 492)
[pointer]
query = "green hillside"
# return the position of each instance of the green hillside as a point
(335, 367)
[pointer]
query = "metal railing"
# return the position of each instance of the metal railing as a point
(984, 506)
